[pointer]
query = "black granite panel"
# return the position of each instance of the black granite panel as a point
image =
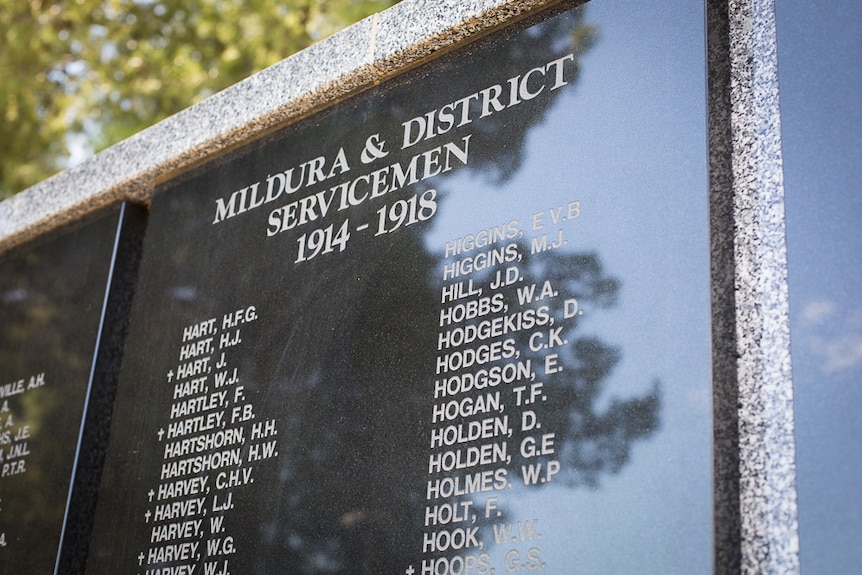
(457, 324)
(60, 341)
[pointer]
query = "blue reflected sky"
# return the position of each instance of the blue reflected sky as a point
(629, 143)
(820, 65)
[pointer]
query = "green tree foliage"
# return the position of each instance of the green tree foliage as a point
(88, 73)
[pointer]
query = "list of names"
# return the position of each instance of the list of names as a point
(212, 443)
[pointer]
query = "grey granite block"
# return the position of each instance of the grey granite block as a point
(756, 521)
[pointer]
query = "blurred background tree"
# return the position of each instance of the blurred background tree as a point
(80, 75)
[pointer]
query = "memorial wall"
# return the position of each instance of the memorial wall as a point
(60, 346)
(459, 318)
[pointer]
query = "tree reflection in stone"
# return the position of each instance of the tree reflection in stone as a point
(344, 353)
(354, 456)
(355, 437)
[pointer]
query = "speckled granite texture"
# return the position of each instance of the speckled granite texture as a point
(755, 491)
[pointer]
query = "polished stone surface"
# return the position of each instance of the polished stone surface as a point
(821, 87)
(53, 369)
(746, 208)
(443, 324)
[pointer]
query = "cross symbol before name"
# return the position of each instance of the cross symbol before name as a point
(150, 494)
(141, 558)
(410, 570)
(147, 515)
(170, 376)
(161, 433)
